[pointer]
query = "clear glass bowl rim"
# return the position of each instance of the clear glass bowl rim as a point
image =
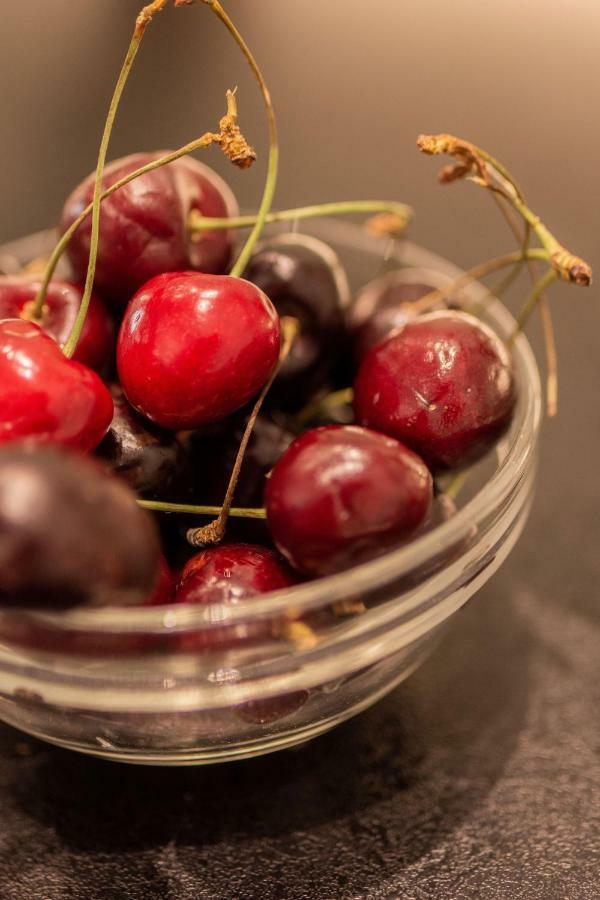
(394, 564)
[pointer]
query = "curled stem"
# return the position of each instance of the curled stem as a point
(476, 164)
(273, 163)
(185, 508)
(229, 139)
(215, 531)
(198, 223)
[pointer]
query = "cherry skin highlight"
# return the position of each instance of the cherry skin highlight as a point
(143, 225)
(443, 385)
(341, 495)
(63, 299)
(45, 397)
(193, 348)
(303, 278)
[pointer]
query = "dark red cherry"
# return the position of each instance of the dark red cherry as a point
(230, 573)
(45, 397)
(443, 385)
(17, 296)
(385, 305)
(341, 495)
(70, 533)
(144, 224)
(303, 278)
(193, 348)
(226, 575)
(150, 459)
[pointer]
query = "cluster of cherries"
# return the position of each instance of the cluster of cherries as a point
(156, 396)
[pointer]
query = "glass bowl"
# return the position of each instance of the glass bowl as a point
(188, 685)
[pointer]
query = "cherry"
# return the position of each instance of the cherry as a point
(224, 575)
(341, 495)
(151, 460)
(384, 305)
(443, 385)
(17, 296)
(193, 348)
(46, 397)
(144, 230)
(70, 533)
(303, 278)
(230, 573)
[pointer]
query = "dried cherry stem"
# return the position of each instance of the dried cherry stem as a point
(229, 139)
(215, 531)
(142, 22)
(241, 512)
(273, 162)
(402, 214)
(539, 287)
(481, 168)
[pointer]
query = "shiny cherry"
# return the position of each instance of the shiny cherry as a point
(341, 495)
(226, 575)
(303, 278)
(384, 305)
(144, 224)
(193, 348)
(17, 296)
(151, 460)
(230, 573)
(70, 533)
(443, 385)
(45, 397)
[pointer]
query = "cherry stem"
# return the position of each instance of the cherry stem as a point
(184, 508)
(198, 223)
(273, 163)
(142, 22)
(481, 168)
(479, 271)
(537, 292)
(544, 307)
(201, 143)
(215, 531)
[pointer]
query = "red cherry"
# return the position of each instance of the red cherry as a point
(17, 294)
(46, 397)
(143, 225)
(193, 348)
(443, 385)
(230, 573)
(341, 495)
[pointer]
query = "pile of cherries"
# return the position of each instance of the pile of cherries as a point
(154, 402)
